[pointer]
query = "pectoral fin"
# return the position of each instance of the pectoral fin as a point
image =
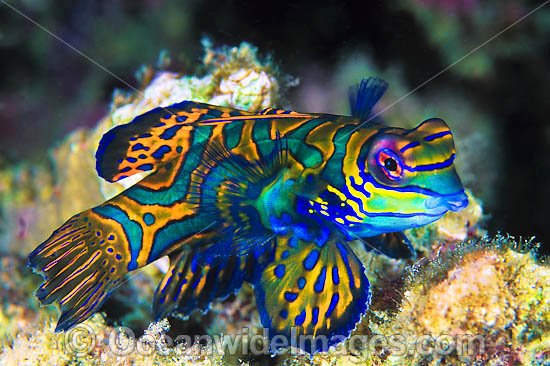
(321, 291)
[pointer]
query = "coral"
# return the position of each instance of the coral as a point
(35, 198)
(486, 302)
(489, 299)
(94, 343)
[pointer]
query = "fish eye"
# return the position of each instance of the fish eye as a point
(390, 164)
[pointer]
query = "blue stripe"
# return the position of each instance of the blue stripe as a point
(79, 287)
(437, 135)
(435, 166)
(335, 276)
(344, 255)
(299, 320)
(320, 283)
(314, 315)
(333, 302)
(134, 233)
(409, 146)
(169, 133)
(311, 260)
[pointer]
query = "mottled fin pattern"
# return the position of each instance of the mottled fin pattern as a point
(156, 138)
(81, 264)
(321, 290)
(364, 96)
(192, 284)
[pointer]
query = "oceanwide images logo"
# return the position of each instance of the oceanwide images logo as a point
(81, 340)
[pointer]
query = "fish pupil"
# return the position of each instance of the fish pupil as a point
(390, 164)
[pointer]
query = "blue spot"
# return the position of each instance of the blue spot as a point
(301, 282)
(335, 276)
(144, 136)
(333, 303)
(110, 250)
(181, 118)
(293, 243)
(290, 296)
(299, 320)
(124, 170)
(284, 313)
(179, 149)
(160, 124)
(161, 151)
(167, 116)
(314, 315)
(311, 260)
(118, 256)
(145, 167)
(139, 146)
(149, 219)
(110, 237)
(143, 156)
(133, 138)
(131, 160)
(279, 271)
(320, 283)
(285, 254)
(170, 132)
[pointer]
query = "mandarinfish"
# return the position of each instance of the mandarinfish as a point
(271, 198)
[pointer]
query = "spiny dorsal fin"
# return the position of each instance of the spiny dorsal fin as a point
(155, 138)
(364, 96)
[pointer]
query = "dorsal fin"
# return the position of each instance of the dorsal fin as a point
(364, 96)
(154, 138)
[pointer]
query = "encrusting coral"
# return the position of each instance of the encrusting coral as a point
(36, 198)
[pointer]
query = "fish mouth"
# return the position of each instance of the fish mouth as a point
(454, 202)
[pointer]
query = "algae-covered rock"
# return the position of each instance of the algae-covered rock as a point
(485, 300)
(37, 198)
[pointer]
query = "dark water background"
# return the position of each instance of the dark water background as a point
(47, 90)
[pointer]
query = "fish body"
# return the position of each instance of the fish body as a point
(271, 198)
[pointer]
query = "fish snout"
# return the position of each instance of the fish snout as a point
(457, 202)
(454, 202)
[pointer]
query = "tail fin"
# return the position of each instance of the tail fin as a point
(190, 284)
(82, 262)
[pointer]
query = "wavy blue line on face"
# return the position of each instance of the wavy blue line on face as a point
(435, 166)
(409, 146)
(437, 135)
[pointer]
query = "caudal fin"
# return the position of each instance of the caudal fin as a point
(82, 262)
